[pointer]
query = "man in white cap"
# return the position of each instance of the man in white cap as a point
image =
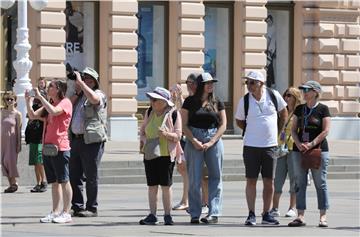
(257, 114)
(88, 135)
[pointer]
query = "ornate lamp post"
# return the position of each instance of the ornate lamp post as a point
(23, 64)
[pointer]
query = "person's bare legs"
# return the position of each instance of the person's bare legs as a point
(37, 173)
(250, 191)
(166, 198)
(276, 200)
(292, 201)
(152, 195)
(268, 193)
(205, 191)
(181, 168)
(323, 215)
(56, 193)
(67, 196)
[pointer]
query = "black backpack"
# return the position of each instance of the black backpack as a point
(173, 115)
(246, 105)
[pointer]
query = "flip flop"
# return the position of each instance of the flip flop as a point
(297, 223)
(323, 224)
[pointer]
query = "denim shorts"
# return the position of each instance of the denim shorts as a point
(57, 167)
(259, 159)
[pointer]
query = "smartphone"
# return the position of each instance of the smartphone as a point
(32, 93)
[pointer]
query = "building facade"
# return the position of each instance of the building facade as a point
(138, 45)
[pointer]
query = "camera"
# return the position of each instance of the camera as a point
(32, 93)
(71, 75)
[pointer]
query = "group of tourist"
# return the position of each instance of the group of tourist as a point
(187, 132)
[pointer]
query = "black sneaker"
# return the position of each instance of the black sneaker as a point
(251, 219)
(76, 212)
(269, 219)
(168, 220)
(43, 186)
(151, 219)
(195, 220)
(36, 189)
(209, 219)
(87, 213)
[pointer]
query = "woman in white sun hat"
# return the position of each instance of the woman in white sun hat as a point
(162, 126)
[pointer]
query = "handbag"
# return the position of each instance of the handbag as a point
(152, 148)
(311, 159)
(50, 150)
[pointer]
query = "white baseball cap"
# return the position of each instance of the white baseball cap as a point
(255, 75)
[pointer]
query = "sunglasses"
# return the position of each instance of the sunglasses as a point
(154, 100)
(306, 90)
(9, 99)
(248, 82)
(288, 95)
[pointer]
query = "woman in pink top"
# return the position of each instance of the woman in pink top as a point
(56, 113)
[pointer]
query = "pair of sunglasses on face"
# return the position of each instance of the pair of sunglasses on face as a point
(10, 99)
(306, 90)
(251, 82)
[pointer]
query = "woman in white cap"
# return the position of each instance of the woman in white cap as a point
(162, 128)
(311, 125)
(204, 120)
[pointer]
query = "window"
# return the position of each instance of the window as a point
(217, 47)
(151, 48)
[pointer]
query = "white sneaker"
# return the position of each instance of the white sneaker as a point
(62, 218)
(49, 218)
(291, 213)
(274, 212)
(205, 209)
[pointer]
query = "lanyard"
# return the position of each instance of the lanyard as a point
(307, 115)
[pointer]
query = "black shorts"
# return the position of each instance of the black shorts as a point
(159, 171)
(259, 159)
(57, 167)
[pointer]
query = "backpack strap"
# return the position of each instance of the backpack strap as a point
(273, 97)
(246, 108)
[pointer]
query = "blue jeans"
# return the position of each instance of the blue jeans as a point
(319, 178)
(284, 166)
(195, 159)
(85, 161)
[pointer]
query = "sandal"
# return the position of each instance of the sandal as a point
(297, 223)
(323, 224)
(180, 206)
(13, 188)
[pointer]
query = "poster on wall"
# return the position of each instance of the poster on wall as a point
(278, 48)
(151, 56)
(74, 29)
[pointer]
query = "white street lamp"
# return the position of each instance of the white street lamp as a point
(23, 64)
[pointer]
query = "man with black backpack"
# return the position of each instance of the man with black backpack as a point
(261, 113)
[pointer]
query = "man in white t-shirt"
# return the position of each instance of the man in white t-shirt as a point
(260, 141)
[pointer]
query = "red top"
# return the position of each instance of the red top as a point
(57, 126)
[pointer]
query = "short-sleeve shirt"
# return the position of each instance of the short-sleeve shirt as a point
(311, 122)
(57, 126)
(261, 121)
(78, 120)
(201, 117)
